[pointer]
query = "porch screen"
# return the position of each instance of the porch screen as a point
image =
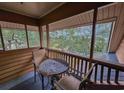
(33, 36)
(72, 34)
(14, 35)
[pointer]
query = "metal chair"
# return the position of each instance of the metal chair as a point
(72, 83)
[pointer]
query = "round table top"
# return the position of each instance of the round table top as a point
(53, 67)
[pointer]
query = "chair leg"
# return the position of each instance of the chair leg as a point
(35, 74)
(41, 79)
(42, 82)
(52, 82)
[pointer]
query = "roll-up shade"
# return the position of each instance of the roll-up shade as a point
(105, 14)
(32, 28)
(74, 21)
(11, 25)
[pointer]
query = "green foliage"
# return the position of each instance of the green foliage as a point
(78, 40)
(14, 38)
(34, 38)
(44, 39)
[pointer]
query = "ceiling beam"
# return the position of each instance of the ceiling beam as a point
(17, 18)
(68, 10)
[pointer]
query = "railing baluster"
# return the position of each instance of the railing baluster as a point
(78, 72)
(116, 76)
(82, 67)
(56, 55)
(101, 76)
(53, 55)
(108, 75)
(74, 65)
(66, 58)
(71, 63)
(62, 56)
(95, 78)
(85, 67)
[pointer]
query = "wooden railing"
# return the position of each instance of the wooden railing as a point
(78, 65)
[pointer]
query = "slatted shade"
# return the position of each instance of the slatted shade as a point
(17, 26)
(32, 28)
(11, 25)
(74, 21)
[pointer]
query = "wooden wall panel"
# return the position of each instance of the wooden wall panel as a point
(119, 29)
(15, 63)
(120, 52)
(113, 12)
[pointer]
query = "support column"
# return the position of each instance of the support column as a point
(27, 35)
(93, 33)
(41, 36)
(2, 41)
(47, 31)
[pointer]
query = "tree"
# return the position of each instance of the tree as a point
(78, 40)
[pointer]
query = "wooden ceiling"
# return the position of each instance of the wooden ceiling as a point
(63, 11)
(31, 9)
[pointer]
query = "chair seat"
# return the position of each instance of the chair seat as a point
(68, 83)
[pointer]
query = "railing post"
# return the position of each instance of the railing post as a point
(93, 33)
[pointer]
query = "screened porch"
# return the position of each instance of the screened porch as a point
(88, 35)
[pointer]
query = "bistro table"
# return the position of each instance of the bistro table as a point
(52, 67)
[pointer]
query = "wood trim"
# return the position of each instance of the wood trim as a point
(2, 40)
(19, 50)
(110, 36)
(69, 9)
(17, 18)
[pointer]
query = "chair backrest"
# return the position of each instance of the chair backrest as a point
(38, 56)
